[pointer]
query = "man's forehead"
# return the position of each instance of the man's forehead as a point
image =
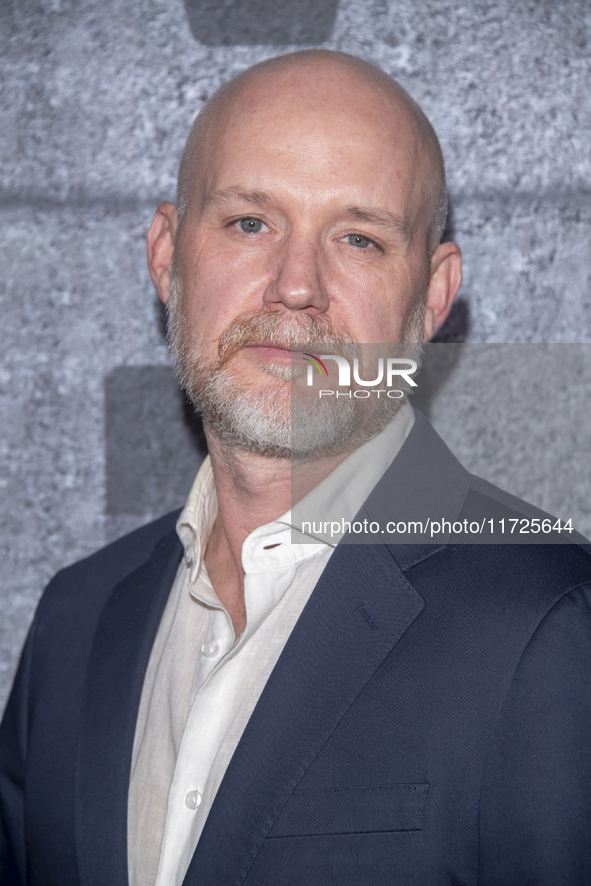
(317, 92)
(309, 134)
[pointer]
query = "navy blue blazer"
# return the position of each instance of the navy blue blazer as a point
(428, 722)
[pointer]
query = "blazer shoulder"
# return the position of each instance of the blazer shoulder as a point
(553, 562)
(484, 501)
(125, 553)
(92, 579)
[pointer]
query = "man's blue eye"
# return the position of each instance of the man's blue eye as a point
(359, 241)
(251, 225)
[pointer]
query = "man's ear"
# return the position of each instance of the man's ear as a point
(160, 248)
(444, 282)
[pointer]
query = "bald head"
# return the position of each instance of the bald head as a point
(324, 84)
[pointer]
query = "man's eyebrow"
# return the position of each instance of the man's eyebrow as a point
(383, 218)
(224, 195)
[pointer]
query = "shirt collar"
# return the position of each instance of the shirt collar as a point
(197, 517)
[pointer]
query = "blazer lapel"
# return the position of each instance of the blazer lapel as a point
(118, 661)
(360, 608)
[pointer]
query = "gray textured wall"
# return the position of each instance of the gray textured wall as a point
(96, 100)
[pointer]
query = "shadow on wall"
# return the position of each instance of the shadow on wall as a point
(154, 442)
(256, 22)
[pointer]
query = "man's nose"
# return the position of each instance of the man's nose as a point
(297, 279)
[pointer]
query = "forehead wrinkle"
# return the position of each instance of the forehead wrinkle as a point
(225, 195)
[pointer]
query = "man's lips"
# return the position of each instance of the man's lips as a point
(274, 352)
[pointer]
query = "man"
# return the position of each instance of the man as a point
(212, 704)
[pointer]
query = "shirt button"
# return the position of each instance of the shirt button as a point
(210, 650)
(192, 800)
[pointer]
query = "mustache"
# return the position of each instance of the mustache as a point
(279, 330)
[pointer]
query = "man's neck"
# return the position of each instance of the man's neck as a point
(252, 490)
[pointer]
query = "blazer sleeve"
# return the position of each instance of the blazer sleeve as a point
(535, 811)
(13, 759)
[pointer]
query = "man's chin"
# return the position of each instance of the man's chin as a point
(271, 423)
(265, 407)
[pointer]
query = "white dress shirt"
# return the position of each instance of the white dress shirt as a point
(202, 683)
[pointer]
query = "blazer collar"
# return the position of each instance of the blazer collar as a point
(116, 669)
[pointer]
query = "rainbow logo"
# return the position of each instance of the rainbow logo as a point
(317, 362)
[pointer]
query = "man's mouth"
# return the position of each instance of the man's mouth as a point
(273, 352)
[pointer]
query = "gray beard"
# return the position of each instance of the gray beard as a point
(280, 419)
